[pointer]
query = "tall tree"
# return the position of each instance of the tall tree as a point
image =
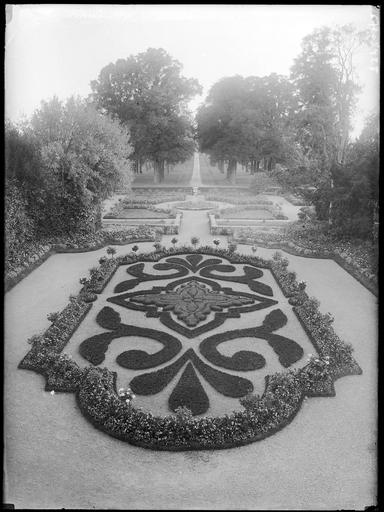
(148, 93)
(323, 75)
(243, 120)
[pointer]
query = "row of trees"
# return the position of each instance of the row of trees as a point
(299, 127)
(69, 156)
(148, 94)
(245, 120)
(302, 121)
(350, 201)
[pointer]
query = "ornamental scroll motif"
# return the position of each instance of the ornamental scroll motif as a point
(192, 303)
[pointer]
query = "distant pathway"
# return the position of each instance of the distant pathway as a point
(196, 177)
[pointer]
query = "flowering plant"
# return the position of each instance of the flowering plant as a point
(126, 395)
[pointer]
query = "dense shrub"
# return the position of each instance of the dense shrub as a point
(67, 159)
(19, 227)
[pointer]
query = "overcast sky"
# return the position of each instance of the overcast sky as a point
(58, 49)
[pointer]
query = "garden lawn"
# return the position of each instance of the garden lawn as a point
(325, 459)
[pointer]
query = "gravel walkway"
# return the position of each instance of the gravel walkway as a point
(54, 458)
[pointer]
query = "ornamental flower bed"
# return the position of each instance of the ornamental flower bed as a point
(146, 197)
(250, 211)
(194, 205)
(124, 210)
(35, 253)
(95, 388)
(236, 197)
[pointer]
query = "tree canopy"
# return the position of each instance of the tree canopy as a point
(243, 120)
(150, 96)
(302, 121)
(66, 160)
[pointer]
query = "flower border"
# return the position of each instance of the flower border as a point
(304, 252)
(263, 416)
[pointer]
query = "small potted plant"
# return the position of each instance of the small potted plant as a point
(126, 395)
(194, 241)
(232, 246)
(111, 251)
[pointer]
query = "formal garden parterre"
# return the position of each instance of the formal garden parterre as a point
(195, 299)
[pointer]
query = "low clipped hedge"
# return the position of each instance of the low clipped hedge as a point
(262, 415)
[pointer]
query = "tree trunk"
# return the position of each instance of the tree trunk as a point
(343, 146)
(221, 166)
(264, 164)
(330, 220)
(231, 171)
(158, 172)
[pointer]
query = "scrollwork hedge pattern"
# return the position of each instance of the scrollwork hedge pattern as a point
(262, 415)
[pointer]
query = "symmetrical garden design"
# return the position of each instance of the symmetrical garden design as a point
(190, 305)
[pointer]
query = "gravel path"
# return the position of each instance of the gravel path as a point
(325, 459)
